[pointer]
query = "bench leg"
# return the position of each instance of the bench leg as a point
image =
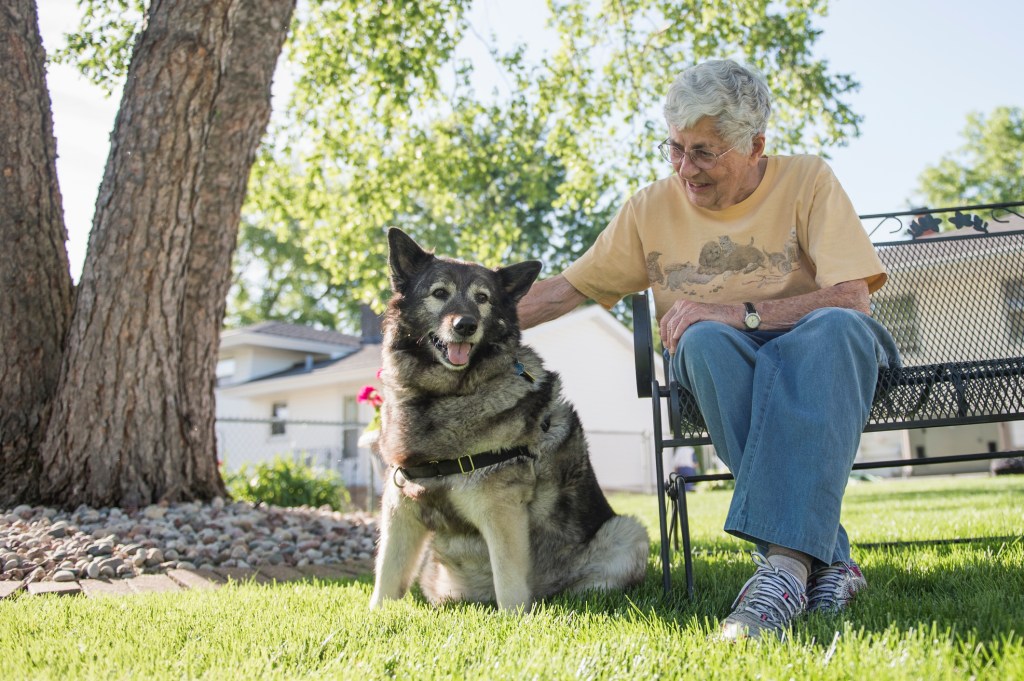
(684, 526)
(659, 474)
(676, 491)
(666, 575)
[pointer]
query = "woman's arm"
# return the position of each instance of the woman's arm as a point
(776, 315)
(548, 299)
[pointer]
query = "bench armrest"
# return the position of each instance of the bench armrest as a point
(643, 344)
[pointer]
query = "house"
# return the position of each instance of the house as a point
(288, 390)
(291, 390)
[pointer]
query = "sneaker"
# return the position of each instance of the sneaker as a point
(831, 588)
(769, 601)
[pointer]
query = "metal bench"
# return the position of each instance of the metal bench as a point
(954, 302)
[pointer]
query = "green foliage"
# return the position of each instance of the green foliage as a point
(986, 169)
(373, 139)
(102, 46)
(274, 280)
(285, 483)
(384, 126)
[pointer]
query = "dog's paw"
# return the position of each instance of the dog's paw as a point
(519, 607)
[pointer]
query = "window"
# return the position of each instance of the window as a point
(225, 369)
(350, 434)
(279, 414)
(1013, 298)
(899, 314)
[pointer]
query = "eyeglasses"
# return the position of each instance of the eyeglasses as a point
(702, 158)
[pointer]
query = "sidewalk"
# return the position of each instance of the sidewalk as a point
(186, 580)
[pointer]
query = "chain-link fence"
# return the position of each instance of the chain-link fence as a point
(324, 445)
(621, 459)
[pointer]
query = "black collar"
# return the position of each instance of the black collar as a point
(464, 464)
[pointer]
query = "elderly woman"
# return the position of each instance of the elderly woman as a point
(760, 271)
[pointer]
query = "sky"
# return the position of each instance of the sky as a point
(923, 66)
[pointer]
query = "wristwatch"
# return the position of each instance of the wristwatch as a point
(751, 320)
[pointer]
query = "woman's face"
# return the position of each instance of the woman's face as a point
(733, 178)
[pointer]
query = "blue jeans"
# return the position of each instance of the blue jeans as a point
(785, 411)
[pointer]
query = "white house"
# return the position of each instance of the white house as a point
(291, 390)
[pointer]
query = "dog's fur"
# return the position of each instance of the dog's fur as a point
(513, 532)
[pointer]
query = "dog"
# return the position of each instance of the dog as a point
(490, 495)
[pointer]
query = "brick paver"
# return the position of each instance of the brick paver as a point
(186, 580)
(242, 575)
(105, 587)
(8, 588)
(58, 588)
(152, 583)
(196, 579)
(280, 573)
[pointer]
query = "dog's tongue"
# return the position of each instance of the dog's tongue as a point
(458, 353)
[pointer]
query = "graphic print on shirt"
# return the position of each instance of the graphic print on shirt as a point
(721, 259)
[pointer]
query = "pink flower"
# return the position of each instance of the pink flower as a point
(369, 395)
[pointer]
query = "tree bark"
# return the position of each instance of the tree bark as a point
(133, 417)
(35, 280)
(242, 117)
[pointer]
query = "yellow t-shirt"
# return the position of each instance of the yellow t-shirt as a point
(797, 233)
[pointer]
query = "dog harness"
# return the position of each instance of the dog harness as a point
(464, 464)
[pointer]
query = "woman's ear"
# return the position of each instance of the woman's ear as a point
(758, 147)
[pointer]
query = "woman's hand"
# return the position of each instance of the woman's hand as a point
(685, 313)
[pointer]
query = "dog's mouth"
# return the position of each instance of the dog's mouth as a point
(455, 354)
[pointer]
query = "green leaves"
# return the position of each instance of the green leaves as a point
(285, 483)
(386, 126)
(102, 47)
(388, 123)
(986, 169)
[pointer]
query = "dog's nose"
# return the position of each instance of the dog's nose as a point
(465, 326)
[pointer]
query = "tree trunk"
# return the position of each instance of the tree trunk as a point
(241, 119)
(35, 279)
(133, 417)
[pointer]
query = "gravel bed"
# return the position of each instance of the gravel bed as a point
(46, 544)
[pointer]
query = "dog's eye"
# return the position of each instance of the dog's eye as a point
(440, 293)
(482, 298)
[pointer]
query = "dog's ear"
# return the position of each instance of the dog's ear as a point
(517, 279)
(405, 258)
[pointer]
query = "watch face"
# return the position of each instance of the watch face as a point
(752, 320)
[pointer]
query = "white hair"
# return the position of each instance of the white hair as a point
(736, 96)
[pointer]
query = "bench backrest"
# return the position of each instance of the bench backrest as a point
(954, 298)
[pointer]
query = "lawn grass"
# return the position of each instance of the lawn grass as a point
(949, 611)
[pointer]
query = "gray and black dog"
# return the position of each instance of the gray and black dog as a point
(490, 495)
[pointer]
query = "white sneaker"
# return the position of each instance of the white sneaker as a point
(831, 588)
(769, 601)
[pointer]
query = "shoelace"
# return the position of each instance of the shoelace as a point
(771, 594)
(826, 584)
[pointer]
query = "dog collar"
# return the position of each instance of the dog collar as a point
(464, 464)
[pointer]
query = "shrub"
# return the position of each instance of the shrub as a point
(285, 483)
